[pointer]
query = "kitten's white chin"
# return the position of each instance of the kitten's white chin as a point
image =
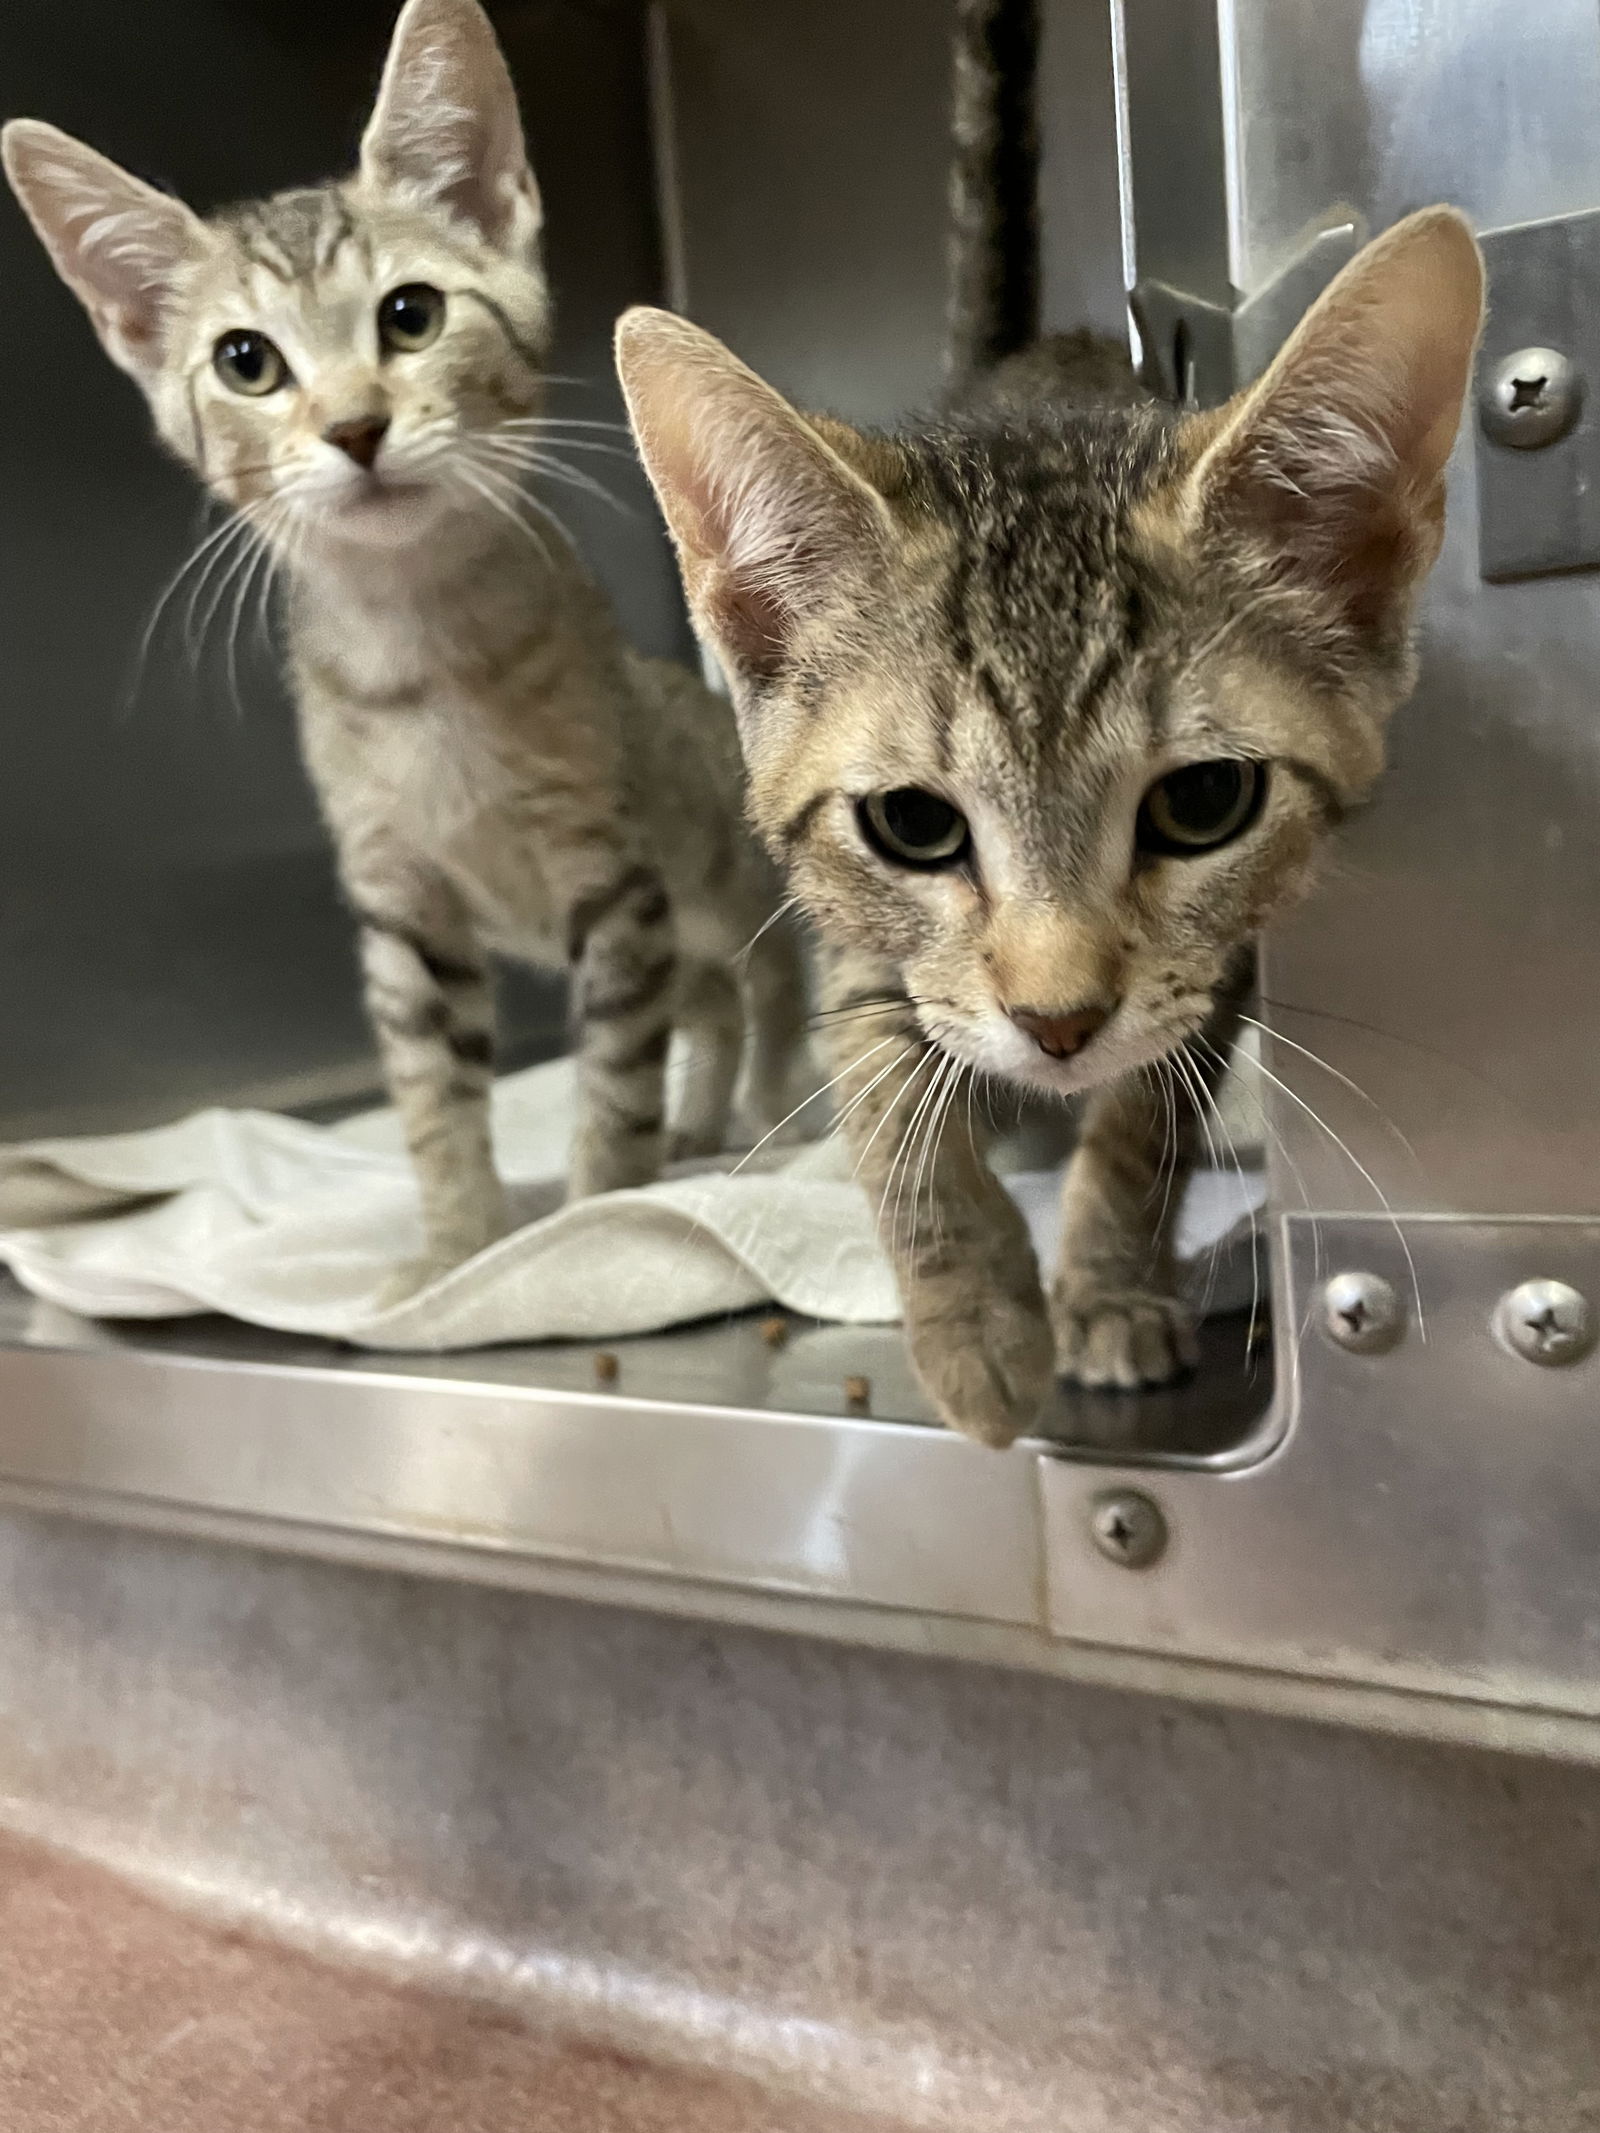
(383, 514)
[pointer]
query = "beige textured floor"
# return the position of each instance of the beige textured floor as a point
(117, 2016)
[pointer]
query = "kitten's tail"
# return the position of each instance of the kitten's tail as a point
(994, 187)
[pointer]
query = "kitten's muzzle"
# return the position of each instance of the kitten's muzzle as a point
(358, 439)
(1062, 1035)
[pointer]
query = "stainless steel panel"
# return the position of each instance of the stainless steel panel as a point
(1429, 1522)
(810, 155)
(808, 167)
(1376, 1567)
(968, 1901)
(1442, 967)
(1082, 282)
(878, 1513)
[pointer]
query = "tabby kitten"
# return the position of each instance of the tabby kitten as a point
(1046, 711)
(356, 370)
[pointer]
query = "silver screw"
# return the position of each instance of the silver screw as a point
(1128, 1528)
(1530, 399)
(1545, 1322)
(1361, 1312)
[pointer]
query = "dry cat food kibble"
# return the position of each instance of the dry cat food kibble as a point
(775, 1332)
(858, 1392)
(606, 1367)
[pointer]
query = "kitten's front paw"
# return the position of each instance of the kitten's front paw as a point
(1121, 1339)
(986, 1361)
(443, 1255)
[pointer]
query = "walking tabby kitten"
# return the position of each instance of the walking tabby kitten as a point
(356, 370)
(1046, 710)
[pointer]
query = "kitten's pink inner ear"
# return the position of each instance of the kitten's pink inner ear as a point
(769, 522)
(118, 243)
(1339, 450)
(446, 127)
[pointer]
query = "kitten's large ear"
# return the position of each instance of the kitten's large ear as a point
(1333, 462)
(118, 244)
(446, 130)
(771, 523)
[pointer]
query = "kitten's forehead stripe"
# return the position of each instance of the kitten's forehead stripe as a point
(801, 820)
(1043, 606)
(292, 236)
(533, 357)
(1328, 797)
(338, 229)
(944, 713)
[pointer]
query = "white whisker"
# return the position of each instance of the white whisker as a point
(1383, 1200)
(546, 465)
(476, 479)
(900, 1167)
(924, 1054)
(537, 424)
(856, 1101)
(221, 559)
(1355, 1088)
(789, 904)
(164, 599)
(812, 1098)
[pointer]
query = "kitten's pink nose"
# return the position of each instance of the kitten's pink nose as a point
(1061, 1035)
(360, 438)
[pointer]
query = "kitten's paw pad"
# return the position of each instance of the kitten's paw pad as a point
(988, 1369)
(1122, 1339)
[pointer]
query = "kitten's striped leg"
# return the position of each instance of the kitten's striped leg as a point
(624, 973)
(710, 1018)
(1119, 1319)
(780, 1066)
(974, 1311)
(427, 991)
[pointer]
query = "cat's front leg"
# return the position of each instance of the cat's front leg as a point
(1114, 1300)
(1120, 1322)
(624, 972)
(428, 996)
(975, 1316)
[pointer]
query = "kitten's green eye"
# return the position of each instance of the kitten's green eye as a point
(913, 827)
(1201, 806)
(409, 318)
(249, 363)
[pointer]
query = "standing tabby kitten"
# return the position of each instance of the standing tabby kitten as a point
(357, 371)
(1046, 711)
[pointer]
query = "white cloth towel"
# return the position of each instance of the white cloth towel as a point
(301, 1227)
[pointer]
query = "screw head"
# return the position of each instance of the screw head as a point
(1530, 399)
(1361, 1312)
(1545, 1322)
(1128, 1528)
